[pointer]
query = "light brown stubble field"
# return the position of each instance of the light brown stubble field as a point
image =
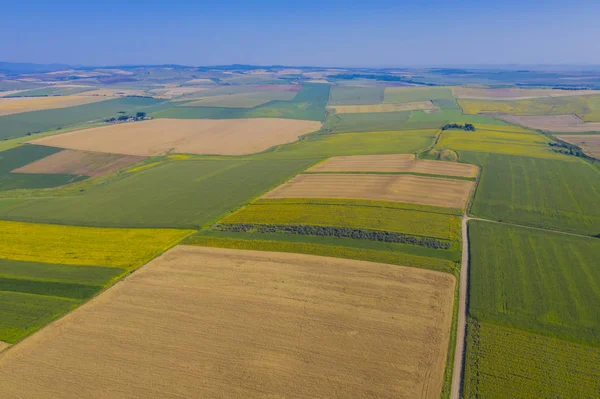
(193, 136)
(513, 93)
(552, 123)
(17, 105)
(210, 322)
(589, 143)
(390, 107)
(394, 163)
(402, 188)
(73, 162)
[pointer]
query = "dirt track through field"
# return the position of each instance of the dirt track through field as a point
(590, 144)
(84, 163)
(553, 123)
(401, 188)
(394, 163)
(9, 106)
(209, 322)
(194, 136)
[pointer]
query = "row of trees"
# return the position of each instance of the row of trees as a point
(339, 232)
(122, 118)
(469, 127)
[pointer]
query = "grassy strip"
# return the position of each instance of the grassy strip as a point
(393, 173)
(90, 275)
(49, 288)
(395, 258)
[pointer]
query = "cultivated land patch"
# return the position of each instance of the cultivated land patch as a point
(590, 144)
(382, 330)
(401, 188)
(80, 163)
(75, 245)
(3, 345)
(414, 94)
(393, 163)
(553, 123)
(342, 95)
(374, 108)
(9, 106)
(514, 93)
(206, 136)
(242, 100)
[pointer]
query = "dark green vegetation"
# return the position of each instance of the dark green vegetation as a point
(308, 104)
(347, 95)
(18, 125)
(21, 156)
(535, 280)
(468, 127)
(51, 91)
(508, 363)
(539, 192)
(33, 294)
(187, 193)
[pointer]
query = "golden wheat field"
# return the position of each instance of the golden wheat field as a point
(211, 322)
(194, 136)
(394, 163)
(401, 188)
(9, 106)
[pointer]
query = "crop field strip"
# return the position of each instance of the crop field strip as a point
(241, 100)
(388, 107)
(349, 308)
(393, 163)
(53, 91)
(158, 136)
(547, 193)
(513, 93)
(17, 105)
(402, 188)
(341, 95)
(553, 123)
(83, 163)
(414, 94)
(590, 144)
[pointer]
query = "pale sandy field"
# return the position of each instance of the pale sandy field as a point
(194, 136)
(401, 188)
(17, 105)
(590, 144)
(388, 107)
(393, 163)
(208, 322)
(3, 345)
(75, 162)
(553, 123)
(516, 93)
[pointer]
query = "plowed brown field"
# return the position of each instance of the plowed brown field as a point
(516, 93)
(401, 188)
(359, 109)
(553, 123)
(17, 105)
(589, 143)
(394, 163)
(84, 163)
(206, 322)
(194, 136)
(3, 345)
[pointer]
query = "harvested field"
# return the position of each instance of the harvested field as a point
(3, 345)
(17, 105)
(195, 136)
(83, 163)
(116, 92)
(394, 163)
(553, 123)
(400, 188)
(171, 92)
(246, 324)
(242, 100)
(516, 93)
(590, 144)
(360, 109)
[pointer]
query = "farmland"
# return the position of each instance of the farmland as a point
(363, 109)
(393, 163)
(158, 136)
(341, 95)
(241, 100)
(585, 107)
(52, 91)
(590, 144)
(219, 186)
(360, 298)
(16, 105)
(402, 188)
(410, 94)
(536, 191)
(513, 93)
(553, 123)
(504, 362)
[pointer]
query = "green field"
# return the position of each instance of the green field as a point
(405, 221)
(507, 363)
(543, 282)
(21, 156)
(539, 192)
(241, 100)
(21, 124)
(586, 107)
(90, 275)
(192, 193)
(348, 95)
(52, 91)
(414, 94)
(368, 121)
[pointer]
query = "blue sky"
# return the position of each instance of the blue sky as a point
(324, 33)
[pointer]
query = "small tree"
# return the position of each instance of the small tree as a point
(140, 115)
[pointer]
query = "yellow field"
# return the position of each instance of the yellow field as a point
(360, 109)
(10, 106)
(76, 245)
(219, 323)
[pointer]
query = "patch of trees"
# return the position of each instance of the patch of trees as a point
(339, 232)
(566, 148)
(469, 127)
(140, 116)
